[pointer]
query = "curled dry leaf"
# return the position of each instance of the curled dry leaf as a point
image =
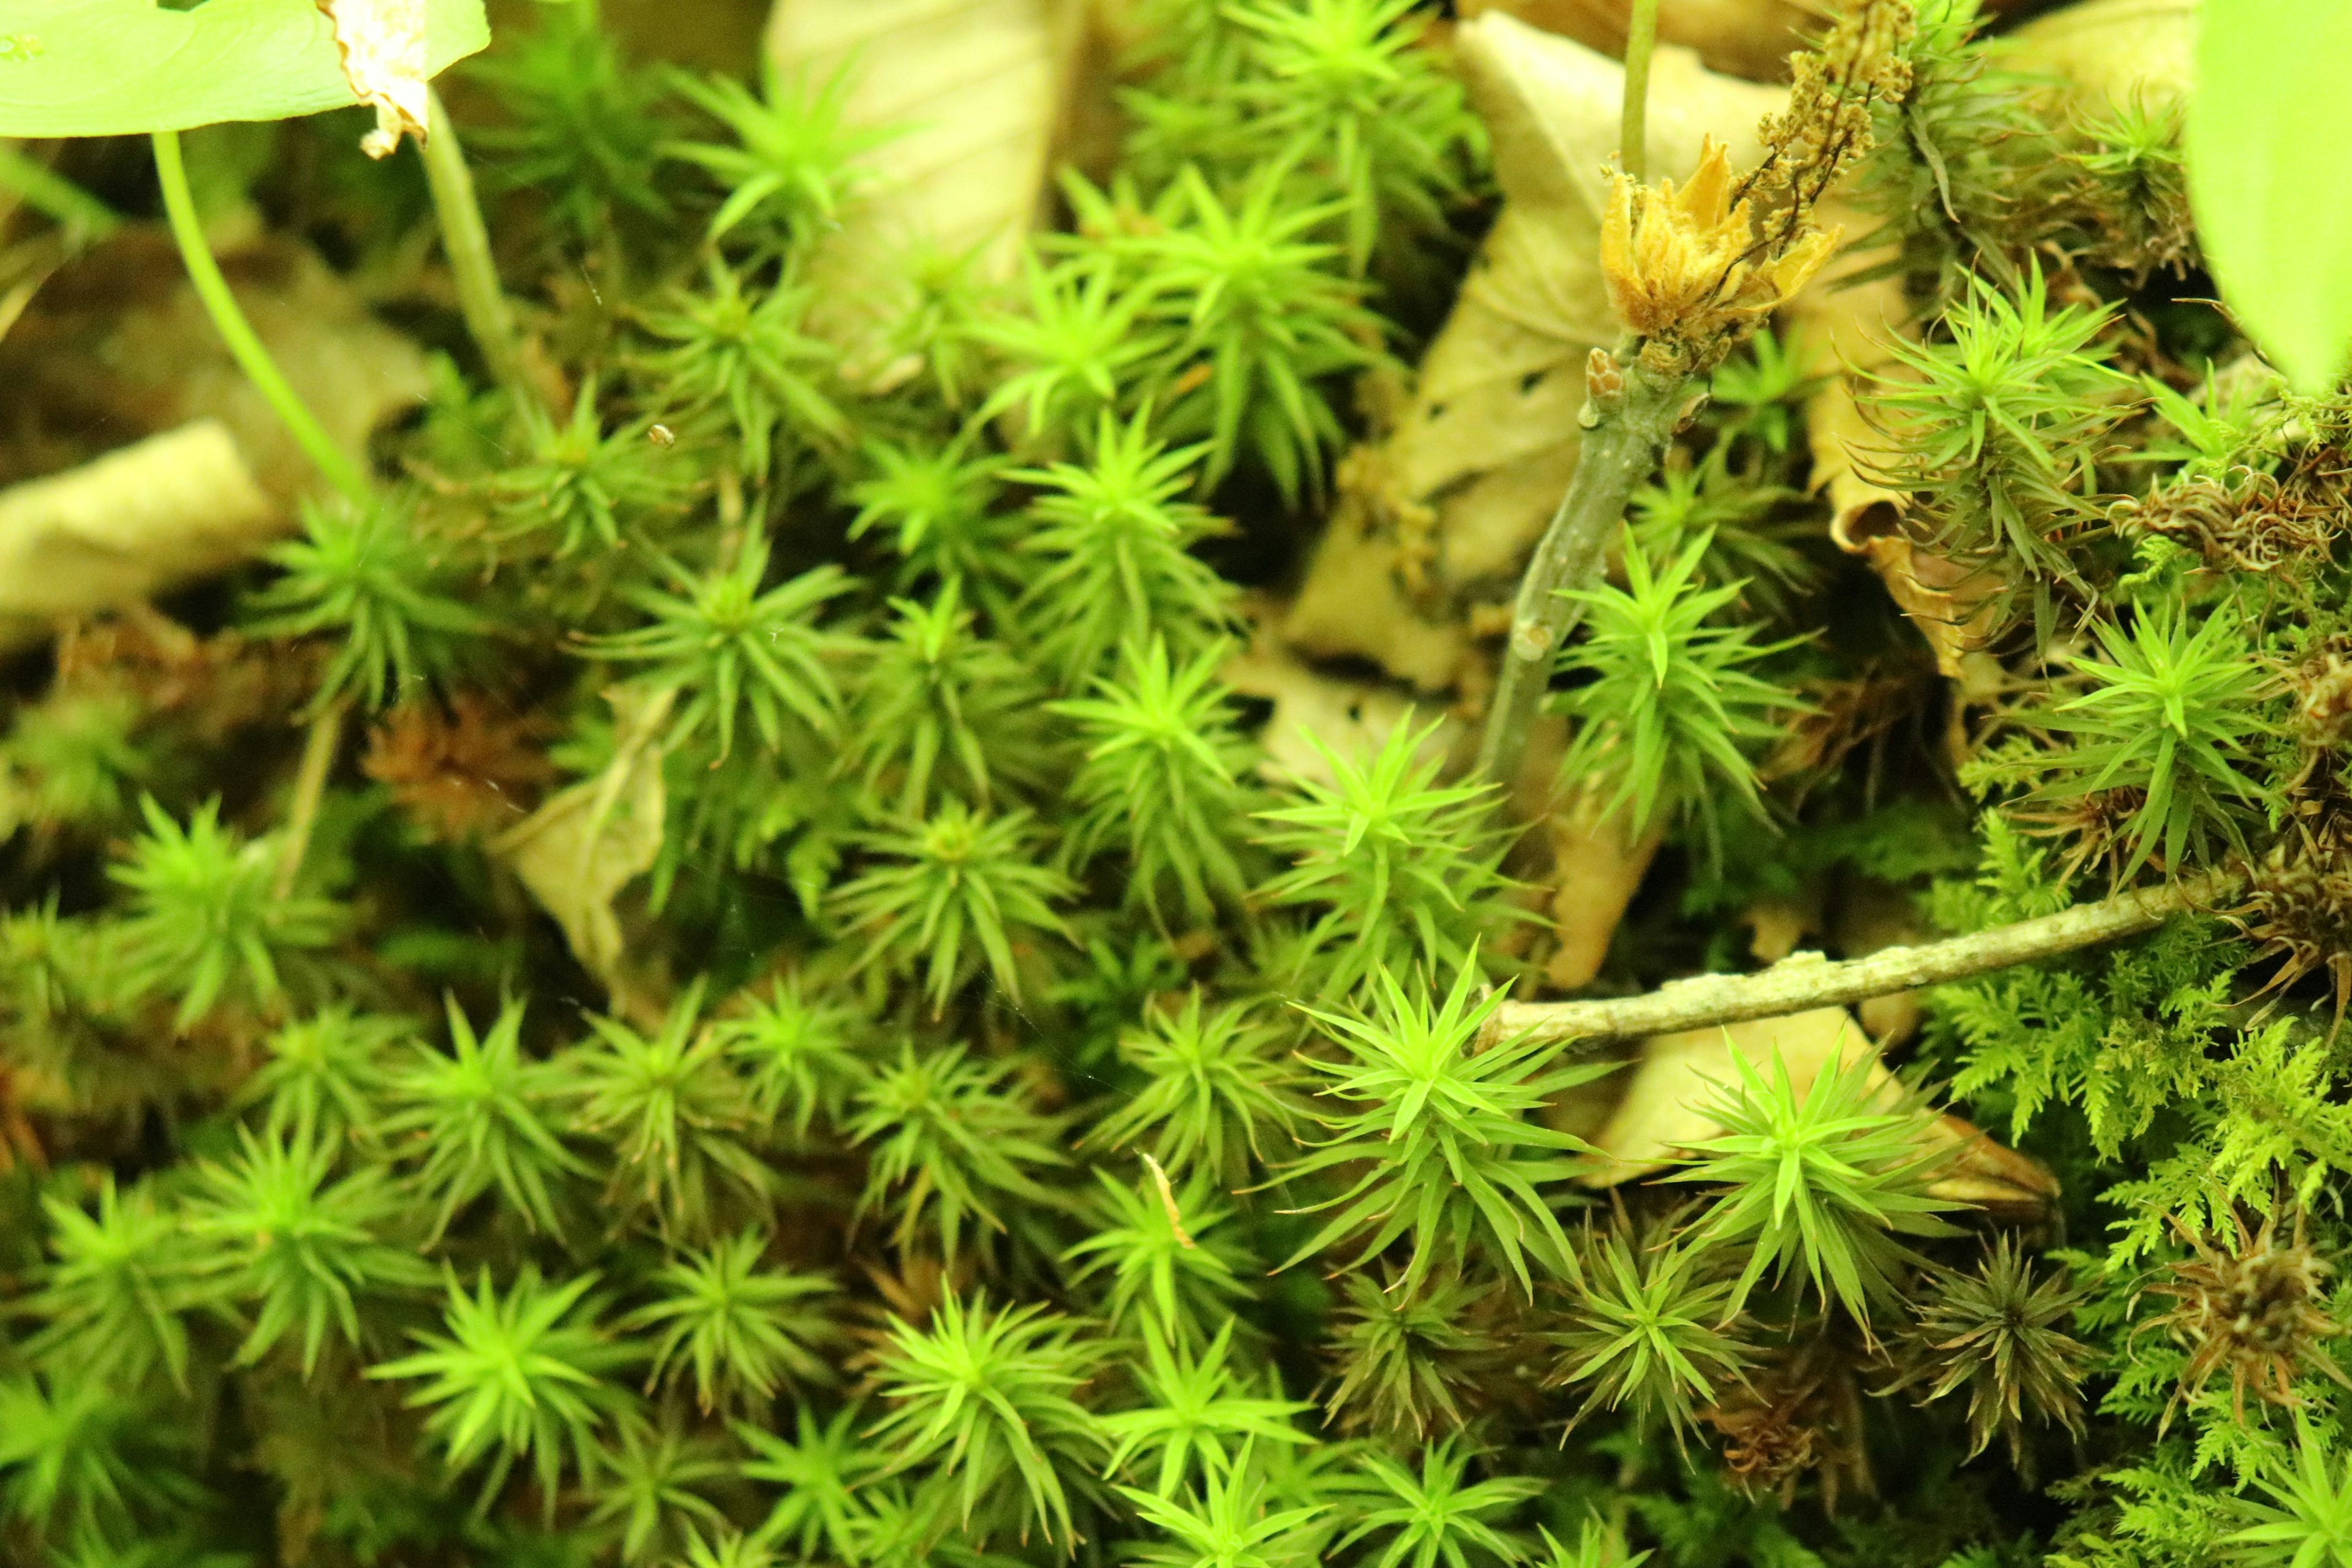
(136, 522)
(578, 851)
(976, 95)
(1596, 872)
(1663, 1109)
(382, 46)
(1750, 39)
(1441, 519)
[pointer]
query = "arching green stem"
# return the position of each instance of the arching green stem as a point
(244, 345)
(467, 241)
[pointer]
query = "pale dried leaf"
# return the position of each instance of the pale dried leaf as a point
(976, 95)
(382, 46)
(139, 521)
(1868, 916)
(1662, 1112)
(577, 851)
(1840, 330)
(2111, 51)
(1596, 871)
(1777, 924)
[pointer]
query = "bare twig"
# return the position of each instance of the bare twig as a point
(1630, 415)
(1810, 981)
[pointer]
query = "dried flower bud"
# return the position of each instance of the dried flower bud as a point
(1692, 270)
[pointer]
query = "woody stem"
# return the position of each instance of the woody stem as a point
(1626, 430)
(1798, 984)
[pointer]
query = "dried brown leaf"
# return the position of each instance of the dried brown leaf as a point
(578, 851)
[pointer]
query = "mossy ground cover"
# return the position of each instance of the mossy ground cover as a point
(714, 961)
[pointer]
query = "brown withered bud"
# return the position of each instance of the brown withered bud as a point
(1798, 1415)
(1691, 269)
(2323, 696)
(2254, 1312)
(2096, 827)
(2247, 522)
(466, 772)
(2298, 906)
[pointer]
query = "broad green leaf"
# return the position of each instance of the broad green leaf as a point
(2270, 175)
(113, 68)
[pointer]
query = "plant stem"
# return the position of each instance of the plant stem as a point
(310, 784)
(237, 333)
(467, 241)
(1630, 416)
(1795, 985)
(1633, 125)
(44, 190)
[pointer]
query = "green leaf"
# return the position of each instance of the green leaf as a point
(2266, 138)
(114, 67)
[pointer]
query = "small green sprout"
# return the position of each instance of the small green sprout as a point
(952, 893)
(308, 1249)
(369, 575)
(674, 1110)
(1116, 555)
(1220, 1091)
(1672, 714)
(1440, 1125)
(1174, 1268)
(208, 925)
(737, 649)
(743, 1330)
(482, 1116)
(987, 1397)
(1196, 1416)
(1161, 781)
(518, 1374)
(2170, 721)
(1405, 872)
(1645, 1332)
(794, 162)
(1436, 1518)
(1831, 1179)
(950, 1142)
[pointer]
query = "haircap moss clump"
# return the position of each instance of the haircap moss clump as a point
(776, 943)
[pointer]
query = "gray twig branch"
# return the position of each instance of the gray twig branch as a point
(1810, 981)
